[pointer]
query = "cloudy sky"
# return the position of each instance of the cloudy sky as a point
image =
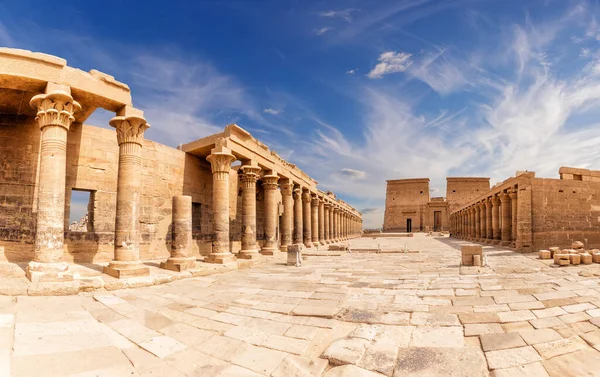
(353, 91)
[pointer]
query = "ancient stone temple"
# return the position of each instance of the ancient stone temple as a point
(243, 200)
(409, 207)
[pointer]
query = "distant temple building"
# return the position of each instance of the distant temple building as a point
(409, 208)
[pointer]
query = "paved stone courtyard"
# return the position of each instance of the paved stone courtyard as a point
(359, 314)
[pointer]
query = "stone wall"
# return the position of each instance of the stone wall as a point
(461, 190)
(565, 210)
(92, 164)
(405, 198)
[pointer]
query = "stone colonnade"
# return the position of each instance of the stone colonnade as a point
(311, 218)
(491, 220)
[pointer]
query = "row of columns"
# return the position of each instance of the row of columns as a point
(308, 218)
(492, 220)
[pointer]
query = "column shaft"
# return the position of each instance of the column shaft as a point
(287, 220)
(488, 222)
(249, 176)
(496, 218)
(321, 221)
(298, 216)
(269, 184)
(306, 219)
(336, 233)
(181, 235)
(477, 222)
(314, 218)
(506, 219)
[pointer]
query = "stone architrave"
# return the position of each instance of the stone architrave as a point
(249, 176)
(314, 214)
(269, 184)
(306, 219)
(287, 219)
(327, 235)
(513, 206)
(321, 221)
(130, 125)
(506, 219)
(220, 159)
(181, 240)
(298, 215)
(496, 219)
(55, 110)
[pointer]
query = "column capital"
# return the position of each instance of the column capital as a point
(220, 160)
(130, 129)
(504, 197)
(297, 192)
(249, 175)
(306, 197)
(314, 200)
(55, 108)
(269, 182)
(495, 200)
(513, 194)
(328, 205)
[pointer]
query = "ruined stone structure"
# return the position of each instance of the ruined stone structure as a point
(409, 208)
(530, 213)
(47, 152)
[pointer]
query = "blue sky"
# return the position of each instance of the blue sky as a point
(354, 92)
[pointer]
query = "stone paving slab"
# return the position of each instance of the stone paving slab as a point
(357, 314)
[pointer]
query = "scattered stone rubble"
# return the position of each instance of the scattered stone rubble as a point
(576, 255)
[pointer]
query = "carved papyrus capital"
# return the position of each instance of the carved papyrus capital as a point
(55, 109)
(249, 175)
(269, 182)
(220, 163)
(129, 129)
(306, 197)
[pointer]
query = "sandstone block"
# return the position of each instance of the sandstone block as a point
(586, 258)
(545, 254)
(477, 260)
(467, 253)
(596, 257)
(577, 245)
(575, 259)
(294, 255)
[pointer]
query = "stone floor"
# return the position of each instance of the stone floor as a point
(360, 314)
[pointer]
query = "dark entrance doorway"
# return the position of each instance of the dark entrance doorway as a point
(437, 221)
(409, 225)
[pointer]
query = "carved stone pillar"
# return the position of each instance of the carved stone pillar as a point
(476, 221)
(513, 206)
(336, 234)
(55, 111)
(269, 184)
(496, 219)
(298, 216)
(506, 219)
(321, 221)
(488, 222)
(287, 220)
(220, 160)
(482, 221)
(181, 235)
(328, 223)
(306, 219)
(314, 220)
(249, 176)
(130, 125)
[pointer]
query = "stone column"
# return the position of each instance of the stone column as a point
(496, 219)
(130, 125)
(327, 235)
(321, 221)
(220, 160)
(488, 221)
(314, 219)
(269, 184)
(306, 218)
(298, 216)
(335, 233)
(482, 221)
(55, 111)
(470, 221)
(476, 222)
(506, 219)
(287, 220)
(513, 206)
(249, 176)
(181, 235)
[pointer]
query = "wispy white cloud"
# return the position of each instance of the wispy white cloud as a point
(353, 173)
(390, 62)
(272, 111)
(345, 14)
(322, 30)
(352, 72)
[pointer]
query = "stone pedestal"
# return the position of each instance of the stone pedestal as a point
(220, 160)
(467, 253)
(181, 236)
(130, 126)
(248, 176)
(287, 220)
(294, 255)
(55, 111)
(269, 184)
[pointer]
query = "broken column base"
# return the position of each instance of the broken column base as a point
(126, 269)
(179, 264)
(38, 272)
(220, 258)
(294, 255)
(248, 254)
